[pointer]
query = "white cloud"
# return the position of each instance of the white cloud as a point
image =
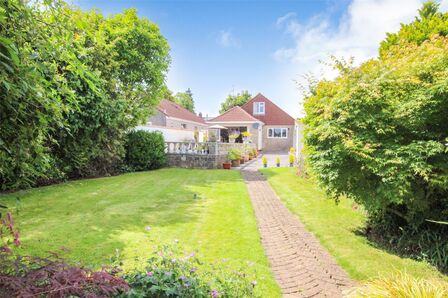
(226, 39)
(284, 18)
(444, 5)
(357, 35)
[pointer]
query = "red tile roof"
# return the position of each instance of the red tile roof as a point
(174, 110)
(235, 114)
(273, 115)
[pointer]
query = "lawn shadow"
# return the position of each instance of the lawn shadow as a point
(381, 244)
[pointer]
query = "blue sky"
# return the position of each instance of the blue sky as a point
(220, 47)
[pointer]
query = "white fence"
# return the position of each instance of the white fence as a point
(173, 135)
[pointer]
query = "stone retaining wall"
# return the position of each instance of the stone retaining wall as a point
(213, 160)
(196, 161)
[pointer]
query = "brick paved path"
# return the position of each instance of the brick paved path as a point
(301, 266)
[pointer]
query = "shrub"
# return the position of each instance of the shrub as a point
(145, 150)
(49, 277)
(68, 96)
(291, 158)
(172, 273)
(264, 160)
(234, 154)
(400, 286)
(377, 134)
(53, 277)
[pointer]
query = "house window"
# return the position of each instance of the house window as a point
(258, 108)
(184, 126)
(280, 133)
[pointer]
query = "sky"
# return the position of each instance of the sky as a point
(266, 46)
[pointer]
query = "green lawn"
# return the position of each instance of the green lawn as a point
(95, 217)
(335, 227)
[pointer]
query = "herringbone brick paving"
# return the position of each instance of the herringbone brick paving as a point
(301, 266)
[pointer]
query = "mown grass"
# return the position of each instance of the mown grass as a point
(338, 226)
(94, 218)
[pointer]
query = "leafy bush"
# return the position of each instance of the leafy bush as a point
(234, 154)
(400, 286)
(171, 273)
(291, 158)
(378, 134)
(53, 277)
(68, 96)
(145, 150)
(264, 160)
(48, 277)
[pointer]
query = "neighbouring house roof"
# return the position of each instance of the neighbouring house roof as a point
(235, 114)
(273, 115)
(173, 110)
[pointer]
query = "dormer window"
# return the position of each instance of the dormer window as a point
(258, 108)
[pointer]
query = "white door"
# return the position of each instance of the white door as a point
(260, 136)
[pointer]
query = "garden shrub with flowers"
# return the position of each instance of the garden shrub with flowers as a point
(29, 276)
(172, 273)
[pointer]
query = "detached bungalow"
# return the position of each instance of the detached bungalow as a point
(271, 128)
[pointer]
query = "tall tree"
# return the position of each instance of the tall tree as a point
(71, 84)
(235, 100)
(429, 22)
(185, 99)
(378, 132)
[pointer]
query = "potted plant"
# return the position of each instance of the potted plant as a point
(246, 135)
(264, 160)
(226, 165)
(277, 161)
(233, 137)
(255, 152)
(234, 156)
(291, 160)
(251, 155)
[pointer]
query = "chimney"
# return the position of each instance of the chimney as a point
(200, 114)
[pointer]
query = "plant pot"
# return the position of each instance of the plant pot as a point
(226, 165)
(278, 165)
(291, 165)
(265, 166)
(235, 163)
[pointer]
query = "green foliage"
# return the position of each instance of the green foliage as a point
(235, 100)
(264, 160)
(400, 285)
(234, 154)
(430, 22)
(145, 150)
(72, 83)
(185, 99)
(377, 133)
(172, 273)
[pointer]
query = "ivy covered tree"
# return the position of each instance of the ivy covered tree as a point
(235, 100)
